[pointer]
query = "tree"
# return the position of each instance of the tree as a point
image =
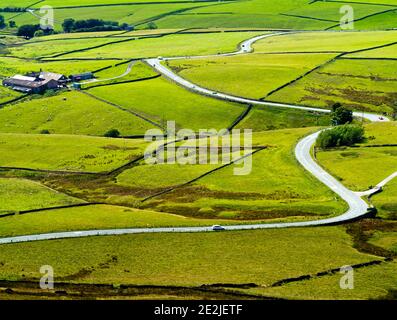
(112, 133)
(12, 24)
(152, 25)
(2, 23)
(340, 115)
(28, 30)
(68, 25)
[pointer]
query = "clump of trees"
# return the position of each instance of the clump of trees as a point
(340, 115)
(92, 25)
(112, 133)
(344, 135)
(31, 30)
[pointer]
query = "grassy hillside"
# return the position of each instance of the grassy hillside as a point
(20, 194)
(262, 257)
(363, 167)
(251, 75)
(69, 153)
(161, 101)
(69, 113)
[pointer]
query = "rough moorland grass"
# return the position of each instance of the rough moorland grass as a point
(276, 186)
(373, 282)
(252, 75)
(69, 113)
(182, 44)
(260, 257)
(325, 41)
(386, 240)
(163, 101)
(89, 218)
(65, 152)
(362, 167)
(166, 175)
(20, 194)
(359, 84)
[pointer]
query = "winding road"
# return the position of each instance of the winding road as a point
(357, 206)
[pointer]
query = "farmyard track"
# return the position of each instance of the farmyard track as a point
(357, 206)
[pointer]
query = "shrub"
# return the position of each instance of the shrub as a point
(44, 131)
(152, 26)
(345, 135)
(112, 133)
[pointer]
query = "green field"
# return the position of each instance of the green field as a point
(386, 201)
(68, 153)
(268, 118)
(19, 194)
(368, 85)
(206, 43)
(325, 41)
(163, 101)
(69, 113)
(358, 168)
(261, 257)
(8, 95)
(372, 282)
(252, 75)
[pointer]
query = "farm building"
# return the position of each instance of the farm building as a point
(81, 76)
(35, 82)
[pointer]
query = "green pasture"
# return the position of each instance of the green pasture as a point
(162, 101)
(324, 41)
(386, 201)
(368, 85)
(129, 13)
(65, 152)
(270, 118)
(8, 95)
(373, 282)
(182, 44)
(19, 194)
(251, 75)
(364, 167)
(386, 52)
(191, 259)
(69, 113)
(50, 48)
